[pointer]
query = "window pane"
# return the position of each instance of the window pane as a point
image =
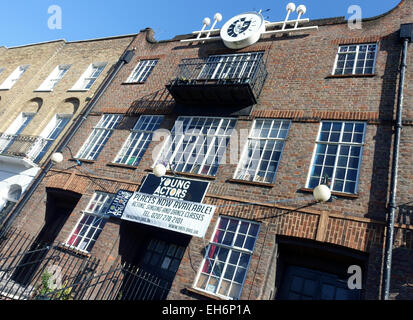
(98, 137)
(223, 254)
(195, 146)
(225, 285)
(229, 236)
(347, 59)
(342, 170)
(142, 70)
(234, 257)
(138, 141)
(229, 273)
(245, 258)
(244, 227)
(229, 265)
(202, 281)
(239, 242)
(212, 284)
(260, 161)
(249, 243)
(218, 268)
(165, 263)
(233, 224)
(235, 290)
(91, 224)
(350, 187)
(239, 275)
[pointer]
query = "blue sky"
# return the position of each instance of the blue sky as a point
(26, 21)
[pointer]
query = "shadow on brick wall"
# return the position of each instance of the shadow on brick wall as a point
(381, 170)
(401, 285)
(380, 181)
(159, 100)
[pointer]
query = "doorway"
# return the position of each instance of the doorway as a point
(156, 253)
(307, 270)
(60, 205)
(308, 284)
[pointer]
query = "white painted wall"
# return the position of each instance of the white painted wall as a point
(11, 174)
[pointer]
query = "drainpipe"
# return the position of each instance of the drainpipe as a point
(406, 35)
(124, 59)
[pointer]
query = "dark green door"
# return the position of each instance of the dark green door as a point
(307, 284)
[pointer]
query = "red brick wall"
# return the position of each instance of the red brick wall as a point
(299, 88)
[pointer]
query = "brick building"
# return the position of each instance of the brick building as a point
(43, 89)
(262, 126)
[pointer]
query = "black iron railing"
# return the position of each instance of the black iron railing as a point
(22, 146)
(122, 282)
(247, 70)
(32, 270)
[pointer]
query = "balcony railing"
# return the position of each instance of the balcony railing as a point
(33, 270)
(23, 146)
(231, 80)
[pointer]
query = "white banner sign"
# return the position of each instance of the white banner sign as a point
(177, 215)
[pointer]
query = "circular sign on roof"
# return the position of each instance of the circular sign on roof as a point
(243, 30)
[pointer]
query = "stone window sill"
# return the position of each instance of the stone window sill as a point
(67, 248)
(338, 76)
(121, 165)
(132, 83)
(193, 175)
(187, 174)
(334, 193)
(78, 90)
(203, 293)
(253, 183)
(82, 160)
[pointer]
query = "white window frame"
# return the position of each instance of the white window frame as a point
(55, 76)
(356, 59)
(142, 71)
(14, 77)
(237, 67)
(99, 136)
(101, 200)
(88, 76)
(143, 133)
(13, 129)
(245, 151)
(231, 248)
(18, 122)
(210, 143)
(37, 148)
(339, 144)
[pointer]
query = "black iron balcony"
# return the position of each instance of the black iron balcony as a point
(23, 146)
(219, 81)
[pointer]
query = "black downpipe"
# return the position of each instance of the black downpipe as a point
(124, 59)
(394, 176)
